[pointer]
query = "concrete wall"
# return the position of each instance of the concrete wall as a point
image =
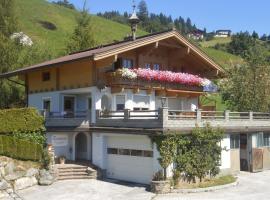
(225, 155)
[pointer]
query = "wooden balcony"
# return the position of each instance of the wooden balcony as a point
(116, 81)
(165, 119)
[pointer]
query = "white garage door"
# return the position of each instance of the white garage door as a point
(130, 158)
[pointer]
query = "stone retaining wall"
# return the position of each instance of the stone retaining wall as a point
(17, 175)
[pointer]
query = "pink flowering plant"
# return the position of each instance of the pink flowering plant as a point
(163, 76)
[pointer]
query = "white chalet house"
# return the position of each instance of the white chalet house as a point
(102, 104)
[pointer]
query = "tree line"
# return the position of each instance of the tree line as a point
(152, 22)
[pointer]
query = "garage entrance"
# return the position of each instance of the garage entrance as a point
(130, 159)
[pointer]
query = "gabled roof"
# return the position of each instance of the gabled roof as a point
(105, 51)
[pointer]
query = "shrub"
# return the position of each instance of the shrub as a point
(20, 149)
(21, 120)
(195, 155)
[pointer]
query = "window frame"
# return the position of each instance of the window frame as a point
(46, 76)
(125, 99)
(235, 141)
(129, 62)
(136, 108)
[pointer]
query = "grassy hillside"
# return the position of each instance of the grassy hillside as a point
(214, 41)
(33, 15)
(223, 58)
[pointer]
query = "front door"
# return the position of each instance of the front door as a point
(81, 148)
(257, 152)
(69, 105)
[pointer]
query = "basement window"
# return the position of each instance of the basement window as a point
(46, 76)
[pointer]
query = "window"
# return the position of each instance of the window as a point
(156, 67)
(46, 76)
(112, 151)
(136, 152)
(235, 140)
(148, 154)
(141, 102)
(120, 102)
(130, 152)
(127, 63)
(147, 66)
(47, 105)
(266, 139)
(260, 139)
(125, 152)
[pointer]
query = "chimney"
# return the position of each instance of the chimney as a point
(134, 21)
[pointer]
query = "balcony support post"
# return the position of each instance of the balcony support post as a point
(163, 116)
(227, 115)
(251, 115)
(199, 115)
(126, 114)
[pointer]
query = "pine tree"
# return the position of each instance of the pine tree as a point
(255, 35)
(83, 35)
(143, 11)
(8, 20)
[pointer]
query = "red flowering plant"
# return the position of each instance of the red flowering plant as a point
(165, 77)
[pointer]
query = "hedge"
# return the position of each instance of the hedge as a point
(20, 149)
(20, 120)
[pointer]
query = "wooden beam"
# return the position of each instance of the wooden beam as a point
(165, 44)
(188, 50)
(136, 90)
(115, 57)
(117, 90)
(156, 44)
(57, 82)
(94, 71)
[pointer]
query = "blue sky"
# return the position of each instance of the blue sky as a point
(236, 15)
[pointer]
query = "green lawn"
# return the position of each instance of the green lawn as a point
(31, 12)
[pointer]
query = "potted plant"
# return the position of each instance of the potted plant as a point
(62, 160)
(159, 184)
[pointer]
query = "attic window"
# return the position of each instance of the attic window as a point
(46, 76)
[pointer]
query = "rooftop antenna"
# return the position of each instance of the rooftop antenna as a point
(134, 21)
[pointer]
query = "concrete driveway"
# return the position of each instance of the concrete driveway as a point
(252, 186)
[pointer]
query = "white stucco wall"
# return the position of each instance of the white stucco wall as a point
(225, 155)
(69, 150)
(36, 100)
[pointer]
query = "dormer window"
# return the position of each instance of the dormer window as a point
(46, 76)
(127, 63)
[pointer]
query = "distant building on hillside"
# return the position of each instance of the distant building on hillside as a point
(223, 33)
(196, 34)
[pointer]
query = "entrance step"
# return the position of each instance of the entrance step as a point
(75, 171)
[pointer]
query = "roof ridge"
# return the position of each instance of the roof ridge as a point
(122, 41)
